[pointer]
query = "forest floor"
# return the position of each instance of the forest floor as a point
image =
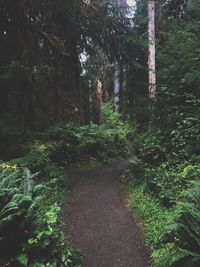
(97, 220)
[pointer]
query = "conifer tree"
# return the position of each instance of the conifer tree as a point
(151, 59)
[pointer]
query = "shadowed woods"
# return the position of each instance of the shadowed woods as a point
(79, 81)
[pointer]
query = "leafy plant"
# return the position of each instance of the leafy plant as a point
(154, 217)
(184, 230)
(17, 206)
(29, 227)
(78, 143)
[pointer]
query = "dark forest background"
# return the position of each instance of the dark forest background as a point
(52, 54)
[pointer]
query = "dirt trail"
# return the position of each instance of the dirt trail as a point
(99, 223)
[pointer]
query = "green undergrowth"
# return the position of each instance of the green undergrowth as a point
(151, 213)
(155, 220)
(33, 187)
(164, 191)
(30, 229)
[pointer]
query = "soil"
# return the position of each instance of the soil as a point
(97, 220)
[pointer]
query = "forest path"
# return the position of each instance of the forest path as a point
(98, 221)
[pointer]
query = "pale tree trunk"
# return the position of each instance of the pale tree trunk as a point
(117, 70)
(99, 101)
(151, 60)
(116, 86)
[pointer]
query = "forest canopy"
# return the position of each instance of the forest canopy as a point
(76, 80)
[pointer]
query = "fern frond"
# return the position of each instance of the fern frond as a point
(186, 227)
(179, 257)
(27, 182)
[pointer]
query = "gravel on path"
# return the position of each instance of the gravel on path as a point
(97, 220)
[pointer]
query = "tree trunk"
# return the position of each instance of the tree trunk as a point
(116, 86)
(99, 95)
(151, 60)
(122, 85)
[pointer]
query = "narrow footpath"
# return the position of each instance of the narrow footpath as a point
(98, 221)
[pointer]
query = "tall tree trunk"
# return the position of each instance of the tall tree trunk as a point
(116, 86)
(122, 85)
(151, 60)
(99, 101)
(86, 107)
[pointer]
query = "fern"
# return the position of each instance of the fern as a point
(186, 228)
(27, 183)
(8, 180)
(179, 258)
(16, 189)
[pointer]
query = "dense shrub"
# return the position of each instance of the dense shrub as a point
(30, 203)
(184, 231)
(166, 167)
(165, 172)
(18, 201)
(84, 142)
(151, 148)
(166, 198)
(29, 232)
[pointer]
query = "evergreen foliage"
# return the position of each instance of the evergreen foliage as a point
(30, 233)
(165, 168)
(28, 227)
(52, 53)
(184, 231)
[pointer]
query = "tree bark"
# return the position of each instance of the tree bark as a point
(99, 95)
(116, 86)
(152, 52)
